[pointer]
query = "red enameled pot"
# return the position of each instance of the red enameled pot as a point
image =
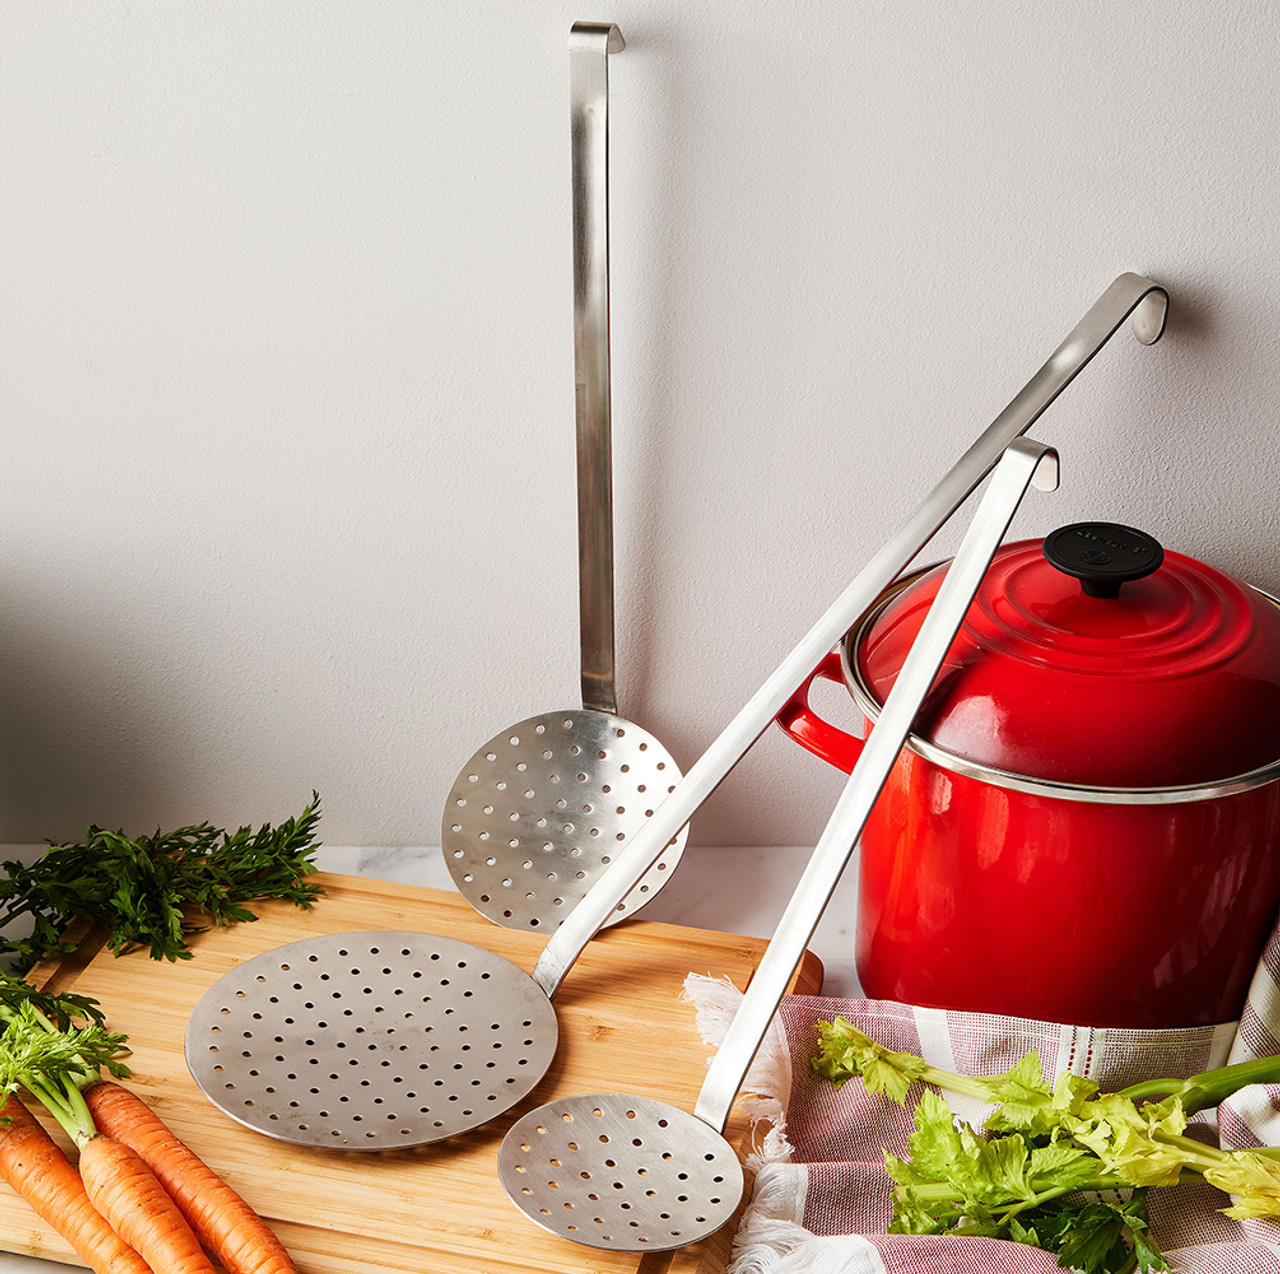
(1085, 824)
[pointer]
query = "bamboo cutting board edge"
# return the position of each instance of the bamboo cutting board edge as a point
(620, 1014)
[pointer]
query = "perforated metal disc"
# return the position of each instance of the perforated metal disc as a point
(540, 811)
(620, 1172)
(365, 1041)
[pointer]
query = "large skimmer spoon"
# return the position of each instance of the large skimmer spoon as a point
(542, 809)
(462, 992)
(615, 1171)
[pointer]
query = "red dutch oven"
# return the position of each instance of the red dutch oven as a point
(1084, 826)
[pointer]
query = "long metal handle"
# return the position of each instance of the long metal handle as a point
(590, 44)
(1024, 463)
(1130, 294)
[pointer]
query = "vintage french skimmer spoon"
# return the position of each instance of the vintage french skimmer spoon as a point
(541, 810)
(615, 1171)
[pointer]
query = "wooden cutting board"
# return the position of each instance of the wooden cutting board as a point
(437, 1208)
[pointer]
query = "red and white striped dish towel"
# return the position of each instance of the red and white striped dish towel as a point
(821, 1201)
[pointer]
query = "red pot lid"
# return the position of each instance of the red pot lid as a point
(1173, 681)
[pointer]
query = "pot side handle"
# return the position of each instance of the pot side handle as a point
(799, 722)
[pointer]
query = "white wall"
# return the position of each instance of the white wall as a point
(287, 472)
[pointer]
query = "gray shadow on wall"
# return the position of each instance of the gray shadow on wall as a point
(74, 748)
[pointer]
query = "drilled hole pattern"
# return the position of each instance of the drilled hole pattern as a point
(370, 1040)
(539, 812)
(620, 1172)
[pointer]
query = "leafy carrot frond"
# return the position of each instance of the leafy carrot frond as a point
(30, 1046)
(43, 1050)
(153, 892)
(63, 1009)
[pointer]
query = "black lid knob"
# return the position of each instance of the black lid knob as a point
(1102, 555)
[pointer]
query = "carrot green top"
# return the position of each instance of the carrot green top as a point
(53, 1045)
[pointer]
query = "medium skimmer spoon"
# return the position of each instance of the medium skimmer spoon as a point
(540, 811)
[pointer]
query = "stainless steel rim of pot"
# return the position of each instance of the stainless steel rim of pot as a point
(619, 1171)
(1087, 793)
(540, 811)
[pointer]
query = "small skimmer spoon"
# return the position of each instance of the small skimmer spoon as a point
(615, 1171)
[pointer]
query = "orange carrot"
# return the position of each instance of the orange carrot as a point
(229, 1228)
(34, 1165)
(127, 1193)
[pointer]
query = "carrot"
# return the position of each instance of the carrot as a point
(139, 1209)
(229, 1228)
(34, 1165)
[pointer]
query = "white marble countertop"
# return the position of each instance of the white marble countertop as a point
(733, 890)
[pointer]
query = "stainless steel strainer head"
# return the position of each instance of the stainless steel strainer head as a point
(616, 1171)
(539, 812)
(371, 1040)
(542, 809)
(613, 1173)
